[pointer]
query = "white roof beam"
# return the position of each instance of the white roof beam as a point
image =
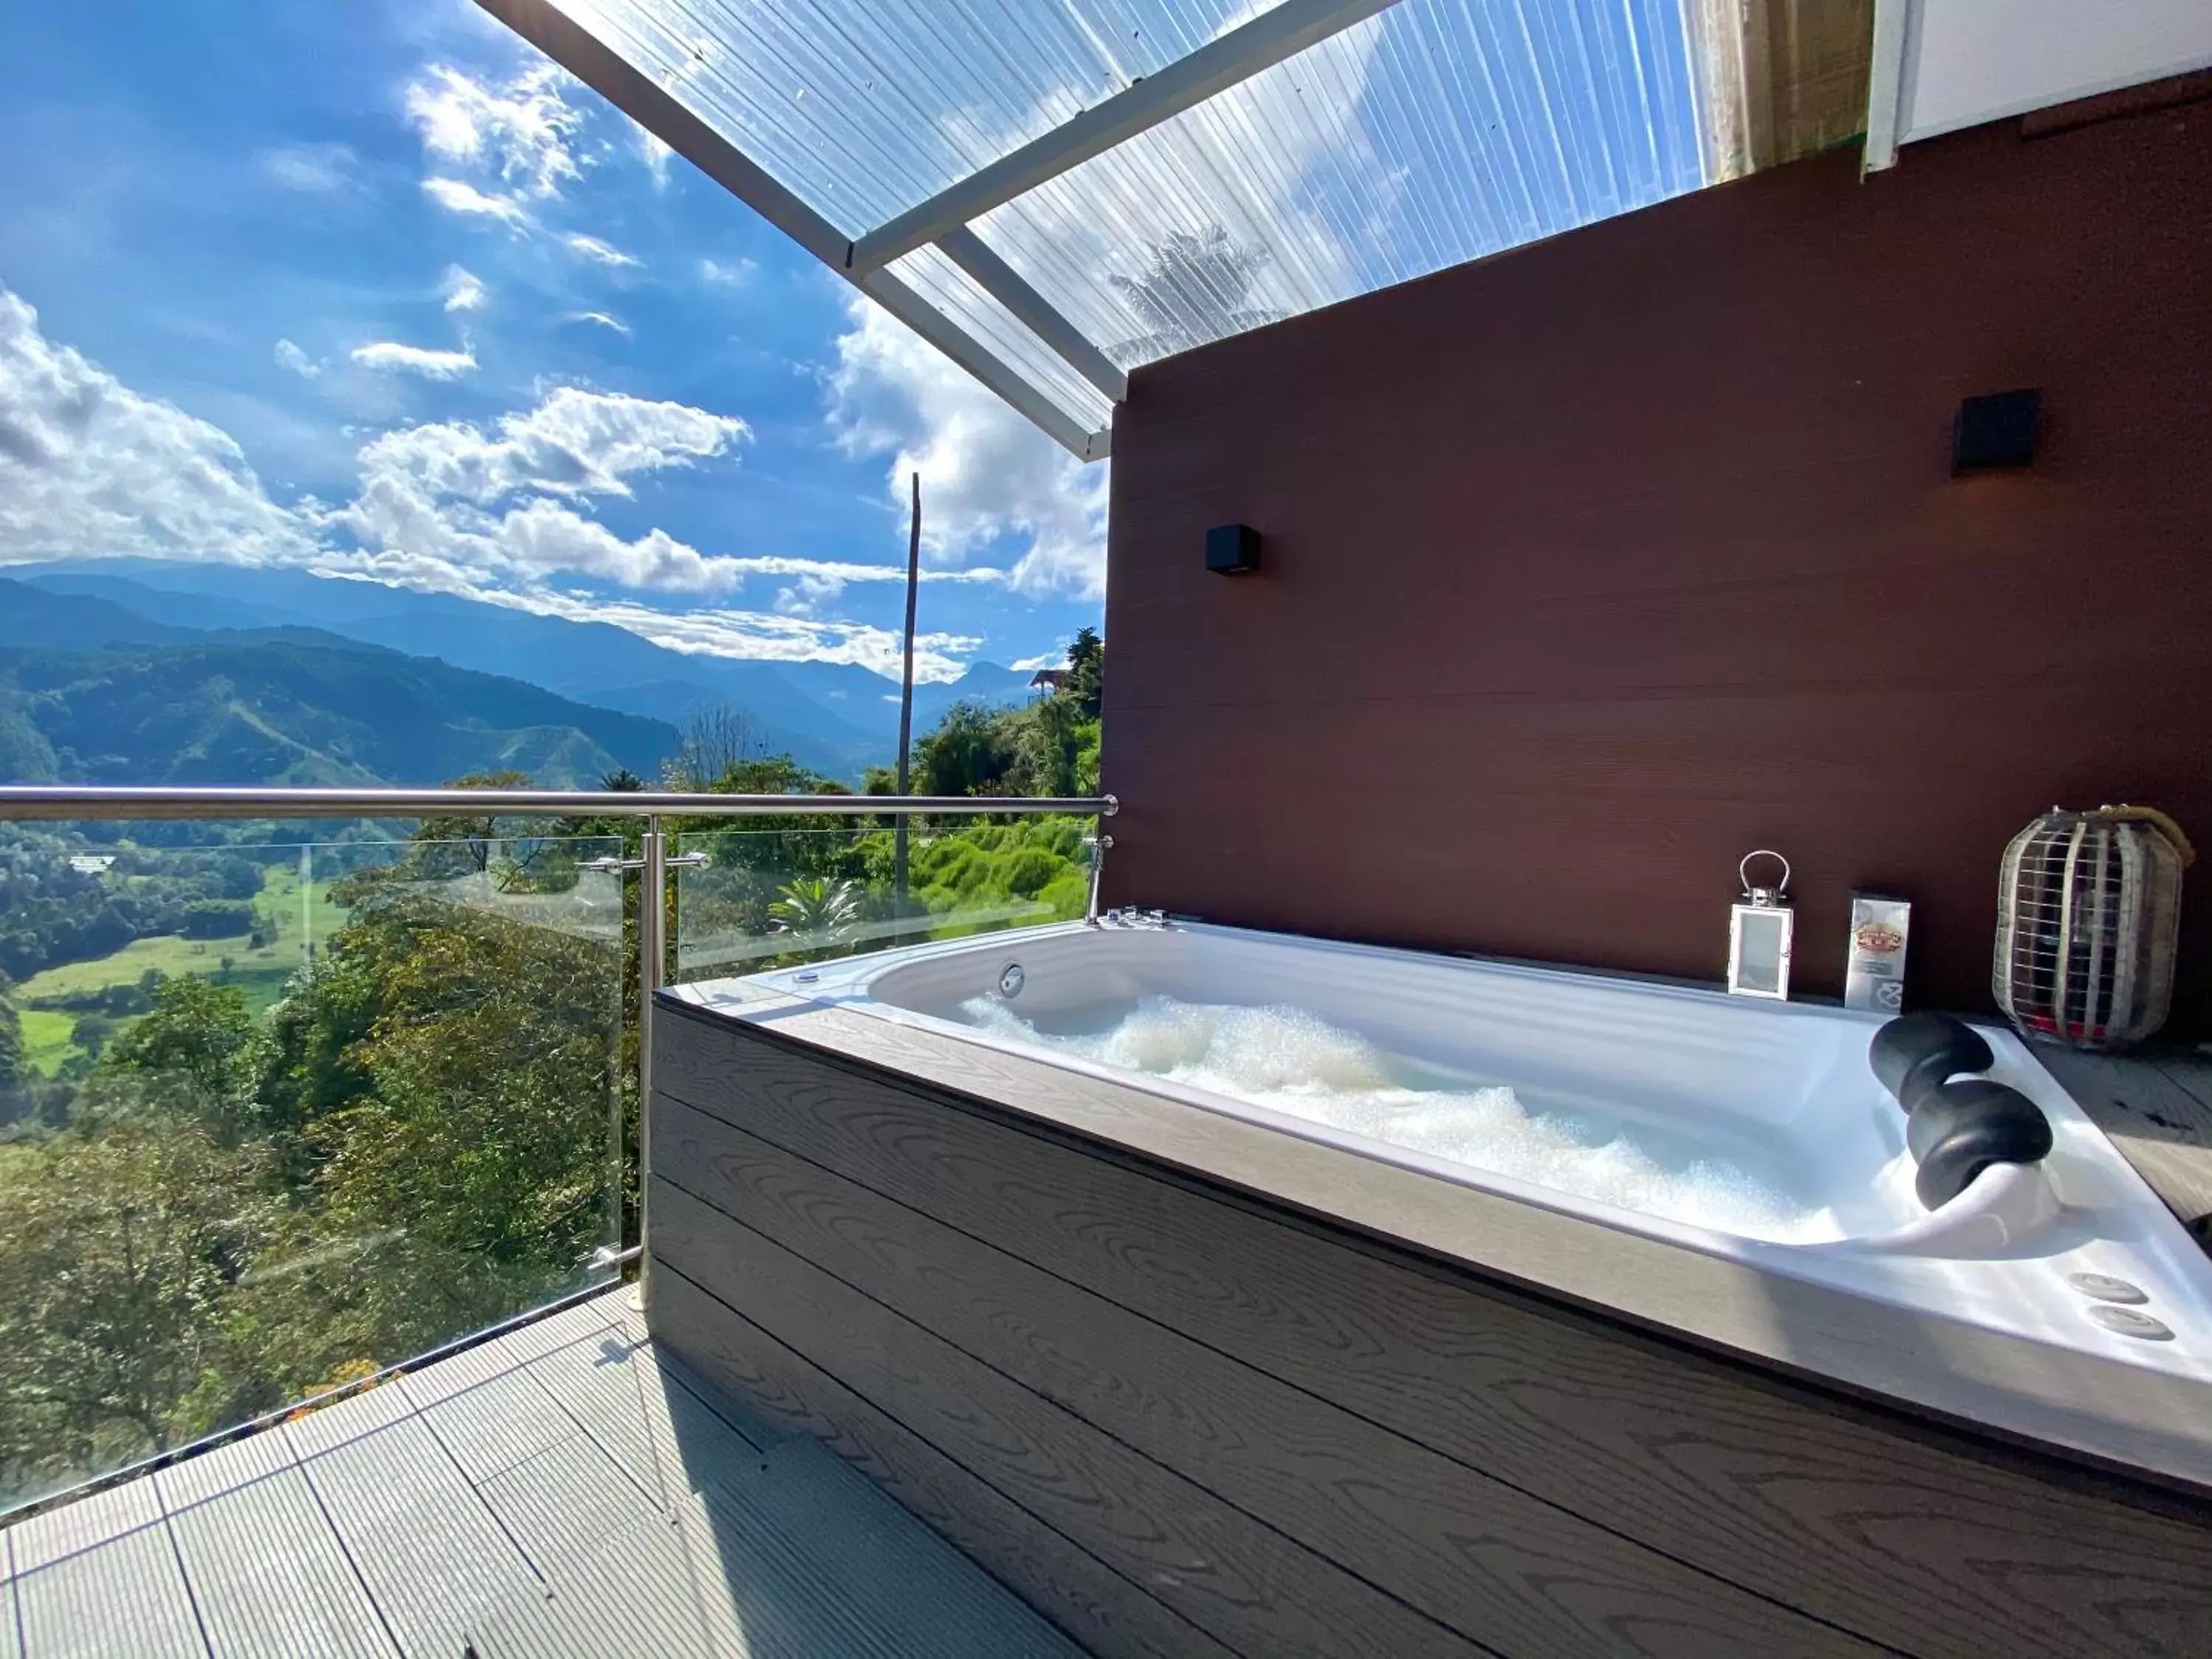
(1892, 31)
(592, 61)
(1012, 289)
(1280, 32)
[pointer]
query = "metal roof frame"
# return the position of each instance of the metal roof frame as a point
(1528, 116)
(945, 221)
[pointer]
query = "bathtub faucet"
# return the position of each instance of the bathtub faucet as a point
(1099, 843)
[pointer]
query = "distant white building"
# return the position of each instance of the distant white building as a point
(91, 864)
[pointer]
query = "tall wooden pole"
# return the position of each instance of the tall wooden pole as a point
(906, 699)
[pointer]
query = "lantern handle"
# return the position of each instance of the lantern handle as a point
(1743, 874)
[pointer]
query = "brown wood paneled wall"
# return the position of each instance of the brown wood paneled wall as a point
(1589, 568)
(1180, 1421)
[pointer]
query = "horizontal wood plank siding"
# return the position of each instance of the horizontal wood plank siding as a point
(1244, 1583)
(1373, 1439)
(1470, 1552)
(1109, 1614)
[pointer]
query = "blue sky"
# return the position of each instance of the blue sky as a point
(369, 288)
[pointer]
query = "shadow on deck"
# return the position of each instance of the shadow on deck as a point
(559, 1491)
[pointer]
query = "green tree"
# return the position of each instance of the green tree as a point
(11, 1036)
(1085, 684)
(455, 843)
(820, 914)
(463, 1155)
(120, 1253)
(197, 1052)
(1193, 290)
(970, 753)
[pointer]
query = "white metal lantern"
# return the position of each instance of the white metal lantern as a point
(1759, 928)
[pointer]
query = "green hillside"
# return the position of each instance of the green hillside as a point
(243, 710)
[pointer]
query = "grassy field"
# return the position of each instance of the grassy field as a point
(47, 1039)
(260, 973)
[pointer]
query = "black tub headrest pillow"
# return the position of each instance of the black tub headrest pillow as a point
(1954, 1129)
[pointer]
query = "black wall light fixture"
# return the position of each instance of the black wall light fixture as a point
(1994, 430)
(1232, 550)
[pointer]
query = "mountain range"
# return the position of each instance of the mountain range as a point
(93, 693)
(198, 618)
(838, 718)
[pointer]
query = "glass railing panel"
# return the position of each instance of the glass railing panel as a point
(282, 1115)
(778, 893)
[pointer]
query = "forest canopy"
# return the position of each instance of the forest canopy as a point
(232, 1197)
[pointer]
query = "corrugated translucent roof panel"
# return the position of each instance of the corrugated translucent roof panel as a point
(865, 107)
(1436, 132)
(1057, 191)
(954, 293)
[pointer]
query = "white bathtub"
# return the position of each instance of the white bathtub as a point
(1750, 1130)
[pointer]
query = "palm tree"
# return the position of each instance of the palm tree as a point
(1191, 292)
(820, 914)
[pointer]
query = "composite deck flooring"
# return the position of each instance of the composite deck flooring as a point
(559, 1491)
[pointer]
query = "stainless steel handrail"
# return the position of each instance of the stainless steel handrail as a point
(31, 802)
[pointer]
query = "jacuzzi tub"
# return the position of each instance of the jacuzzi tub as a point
(1750, 1130)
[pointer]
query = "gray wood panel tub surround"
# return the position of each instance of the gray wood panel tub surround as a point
(1144, 1362)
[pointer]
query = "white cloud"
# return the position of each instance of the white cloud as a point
(462, 290)
(726, 273)
(604, 319)
(574, 443)
(289, 356)
(312, 169)
(89, 468)
(656, 156)
(591, 248)
(761, 635)
(522, 132)
(391, 357)
(1042, 659)
(456, 196)
(986, 471)
(809, 595)
(434, 491)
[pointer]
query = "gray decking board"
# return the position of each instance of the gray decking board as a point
(762, 1567)
(634, 1596)
(2156, 1107)
(497, 1425)
(270, 1578)
(810, 1504)
(563, 1502)
(424, 1541)
(599, 1383)
(74, 1527)
(328, 1427)
(407, 1521)
(126, 1596)
(696, 1444)
(512, 1350)
(224, 1469)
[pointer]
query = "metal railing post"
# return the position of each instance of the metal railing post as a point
(651, 896)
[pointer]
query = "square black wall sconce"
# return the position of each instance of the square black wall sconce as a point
(1994, 430)
(1232, 550)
